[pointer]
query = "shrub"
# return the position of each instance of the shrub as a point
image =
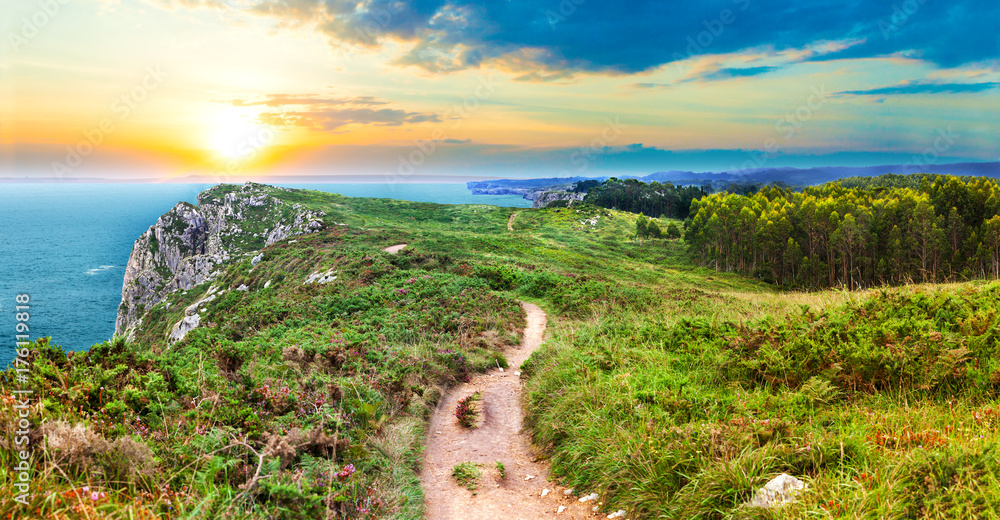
(466, 411)
(467, 474)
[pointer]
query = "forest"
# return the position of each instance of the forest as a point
(652, 199)
(855, 233)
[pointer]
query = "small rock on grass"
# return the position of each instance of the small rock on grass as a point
(778, 491)
(617, 514)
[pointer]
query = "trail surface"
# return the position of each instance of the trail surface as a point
(394, 249)
(498, 438)
(510, 227)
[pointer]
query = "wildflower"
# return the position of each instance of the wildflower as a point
(346, 472)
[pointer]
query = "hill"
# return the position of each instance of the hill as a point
(671, 390)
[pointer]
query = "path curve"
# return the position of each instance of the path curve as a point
(510, 222)
(394, 249)
(498, 438)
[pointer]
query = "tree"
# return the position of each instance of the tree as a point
(641, 227)
(890, 229)
(653, 229)
(673, 231)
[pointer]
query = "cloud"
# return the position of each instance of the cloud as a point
(739, 72)
(925, 88)
(330, 113)
(548, 39)
(334, 118)
(276, 100)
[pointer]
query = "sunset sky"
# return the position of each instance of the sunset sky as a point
(239, 89)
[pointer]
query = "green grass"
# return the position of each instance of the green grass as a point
(674, 390)
(467, 474)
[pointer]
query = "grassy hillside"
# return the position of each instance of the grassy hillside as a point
(672, 389)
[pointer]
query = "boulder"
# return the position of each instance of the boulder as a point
(778, 491)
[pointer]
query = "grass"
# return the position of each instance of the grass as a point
(673, 390)
(467, 474)
(501, 470)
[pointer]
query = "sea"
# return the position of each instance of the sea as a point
(65, 245)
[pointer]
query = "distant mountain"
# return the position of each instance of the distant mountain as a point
(824, 174)
(790, 176)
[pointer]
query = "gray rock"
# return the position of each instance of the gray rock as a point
(181, 328)
(318, 277)
(188, 243)
(778, 491)
(543, 199)
(256, 260)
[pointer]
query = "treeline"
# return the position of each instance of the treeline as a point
(652, 199)
(942, 229)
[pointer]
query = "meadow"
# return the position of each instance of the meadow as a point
(673, 390)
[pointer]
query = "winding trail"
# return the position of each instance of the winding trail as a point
(510, 225)
(394, 249)
(499, 437)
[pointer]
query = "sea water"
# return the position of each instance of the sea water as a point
(66, 245)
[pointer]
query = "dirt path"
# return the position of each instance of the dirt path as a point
(394, 249)
(510, 221)
(498, 438)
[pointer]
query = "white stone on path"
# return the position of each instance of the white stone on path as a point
(592, 496)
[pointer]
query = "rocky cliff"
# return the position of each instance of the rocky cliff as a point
(188, 242)
(543, 199)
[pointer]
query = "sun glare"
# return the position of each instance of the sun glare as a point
(236, 138)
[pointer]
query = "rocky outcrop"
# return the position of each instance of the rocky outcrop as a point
(187, 244)
(543, 199)
(498, 190)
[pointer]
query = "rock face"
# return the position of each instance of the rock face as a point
(543, 199)
(188, 242)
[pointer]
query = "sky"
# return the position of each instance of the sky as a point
(388, 90)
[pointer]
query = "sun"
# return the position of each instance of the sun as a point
(235, 137)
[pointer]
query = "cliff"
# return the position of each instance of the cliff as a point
(543, 199)
(186, 244)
